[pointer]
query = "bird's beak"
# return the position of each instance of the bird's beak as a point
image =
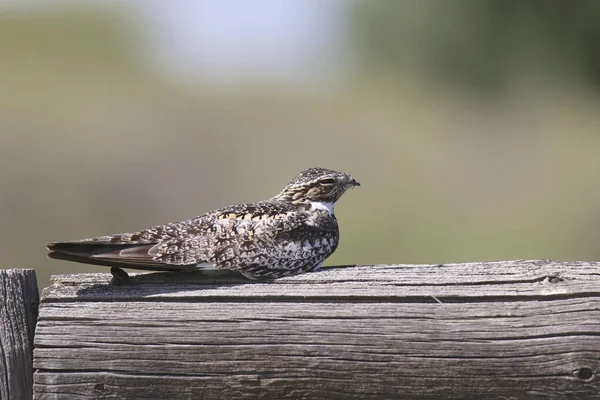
(354, 182)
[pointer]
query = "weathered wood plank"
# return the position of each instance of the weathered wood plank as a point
(519, 329)
(18, 312)
(463, 281)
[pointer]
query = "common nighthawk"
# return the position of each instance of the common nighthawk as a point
(291, 233)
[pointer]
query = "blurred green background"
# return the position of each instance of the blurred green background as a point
(473, 125)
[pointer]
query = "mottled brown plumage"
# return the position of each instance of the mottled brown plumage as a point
(291, 233)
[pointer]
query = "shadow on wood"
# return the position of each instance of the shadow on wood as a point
(18, 312)
(513, 329)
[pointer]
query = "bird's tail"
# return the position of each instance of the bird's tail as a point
(134, 256)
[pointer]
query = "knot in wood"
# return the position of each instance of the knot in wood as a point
(585, 374)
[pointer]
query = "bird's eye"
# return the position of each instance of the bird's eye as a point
(327, 181)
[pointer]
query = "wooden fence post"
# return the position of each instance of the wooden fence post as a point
(494, 330)
(18, 313)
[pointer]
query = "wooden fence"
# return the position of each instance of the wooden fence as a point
(499, 330)
(18, 311)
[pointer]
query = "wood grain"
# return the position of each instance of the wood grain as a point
(19, 300)
(503, 330)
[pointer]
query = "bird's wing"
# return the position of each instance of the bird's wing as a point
(174, 246)
(208, 237)
(226, 236)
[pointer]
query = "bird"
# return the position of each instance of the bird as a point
(289, 234)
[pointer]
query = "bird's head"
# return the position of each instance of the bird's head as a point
(317, 185)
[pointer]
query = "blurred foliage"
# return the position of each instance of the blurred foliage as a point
(95, 141)
(482, 44)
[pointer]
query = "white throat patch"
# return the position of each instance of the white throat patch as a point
(318, 205)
